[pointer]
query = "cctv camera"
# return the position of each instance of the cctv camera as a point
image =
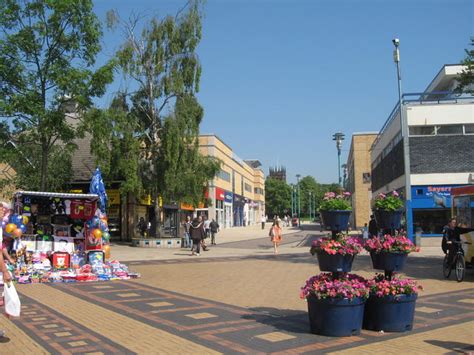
(396, 41)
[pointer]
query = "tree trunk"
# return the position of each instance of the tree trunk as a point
(44, 165)
(156, 221)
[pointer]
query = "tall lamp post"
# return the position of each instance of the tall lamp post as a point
(299, 200)
(338, 137)
(292, 200)
(406, 147)
(310, 207)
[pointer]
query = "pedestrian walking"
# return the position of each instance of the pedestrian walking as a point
(142, 226)
(365, 232)
(188, 242)
(285, 219)
(207, 230)
(198, 234)
(263, 220)
(373, 230)
(214, 226)
(275, 235)
(4, 273)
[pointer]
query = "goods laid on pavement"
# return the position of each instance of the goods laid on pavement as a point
(58, 237)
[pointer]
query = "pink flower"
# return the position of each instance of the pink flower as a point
(395, 193)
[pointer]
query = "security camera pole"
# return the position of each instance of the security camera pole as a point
(406, 147)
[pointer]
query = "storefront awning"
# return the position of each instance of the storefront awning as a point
(91, 197)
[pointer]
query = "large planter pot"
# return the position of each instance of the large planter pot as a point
(336, 220)
(334, 263)
(388, 261)
(335, 316)
(388, 219)
(390, 313)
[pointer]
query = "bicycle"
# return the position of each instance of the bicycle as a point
(457, 262)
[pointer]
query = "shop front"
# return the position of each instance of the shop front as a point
(431, 208)
(228, 202)
(219, 205)
(238, 210)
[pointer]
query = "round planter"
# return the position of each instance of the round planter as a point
(388, 261)
(335, 316)
(336, 220)
(390, 313)
(388, 219)
(334, 263)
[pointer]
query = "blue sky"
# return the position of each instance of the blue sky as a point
(281, 76)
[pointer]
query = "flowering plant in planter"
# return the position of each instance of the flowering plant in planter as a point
(390, 244)
(380, 287)
(327, 285)
(389, 202)
(333, 201)
(341, 244)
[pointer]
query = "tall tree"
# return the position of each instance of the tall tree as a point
(46, 50)
(164, 69)
(277, 197)
(466, 79)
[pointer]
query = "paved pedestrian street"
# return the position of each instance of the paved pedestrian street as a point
(245, 302)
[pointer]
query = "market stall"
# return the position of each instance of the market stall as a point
(59, 237)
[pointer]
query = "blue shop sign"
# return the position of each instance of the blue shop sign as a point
(431, 196)
(228, 196)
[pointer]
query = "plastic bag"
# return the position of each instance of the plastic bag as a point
(12, 301)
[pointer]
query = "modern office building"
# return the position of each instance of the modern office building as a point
(441, 150)
(358, 181)
(237, 194)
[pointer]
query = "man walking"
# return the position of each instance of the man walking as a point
(373, 230)
(197, 234)
(214, 226)
(263, 220)
(188, 242)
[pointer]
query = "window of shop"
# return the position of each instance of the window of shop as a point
(224, 175)
(258, 191)
(431, 221)
(248, 188)
(449, 129)
(219, 204)
(469, 129)
(422, 130)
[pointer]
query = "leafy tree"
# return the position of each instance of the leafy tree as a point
(115, 145)
(46, 48)
(164, 69)
(277, 197)
(466, 79)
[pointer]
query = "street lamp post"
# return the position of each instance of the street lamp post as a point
(406, 147)
(292, 200)
(299, 200)
(338, 137)
(310, 207)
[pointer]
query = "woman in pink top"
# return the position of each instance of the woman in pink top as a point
(275, 235)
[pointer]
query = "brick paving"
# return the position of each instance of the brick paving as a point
(239, 303)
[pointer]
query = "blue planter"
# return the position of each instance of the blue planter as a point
(336, 220)
(334, 263)
(388, 261)
(388, 219)
(390, 313)
(335, 316)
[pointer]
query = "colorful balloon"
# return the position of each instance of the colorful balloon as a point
(107, 251)
(16, 219)
(97, 233)
(25, 220)
(23, 228)
(17, 233)
(95, 222)
(10, 227)
(106, 236)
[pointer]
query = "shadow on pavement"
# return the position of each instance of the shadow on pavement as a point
(454, 346)
(281, 319)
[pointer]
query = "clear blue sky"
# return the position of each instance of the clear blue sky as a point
(281, 76)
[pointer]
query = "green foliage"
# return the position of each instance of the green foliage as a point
(115, 145)
(390, 202)
(309, 185)
(277, 197)
(46, 48)
(466, 79)
(333, 201)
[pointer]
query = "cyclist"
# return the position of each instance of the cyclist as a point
(452, 233)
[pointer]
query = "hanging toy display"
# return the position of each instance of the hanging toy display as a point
(14, 225)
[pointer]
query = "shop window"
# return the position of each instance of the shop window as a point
(248, 188)
(431, 221)
(224, 175)
(449, 129)
(469, 129)
(422, 130)
(419, 192)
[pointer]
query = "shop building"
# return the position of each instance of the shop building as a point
(358, 181)
(237, 193)
(441, 150)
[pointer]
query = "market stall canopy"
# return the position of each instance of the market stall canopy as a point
(92, 197)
